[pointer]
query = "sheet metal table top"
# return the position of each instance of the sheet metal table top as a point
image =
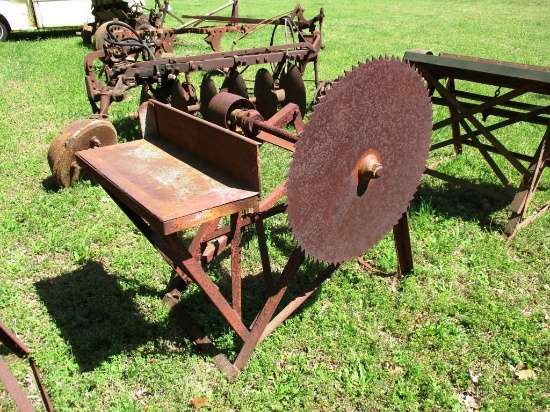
(172, 190)
(493, 72)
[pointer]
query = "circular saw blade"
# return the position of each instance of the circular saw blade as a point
(381, 108)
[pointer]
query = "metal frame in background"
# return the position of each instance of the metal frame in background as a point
(518, 80)
(125, 71)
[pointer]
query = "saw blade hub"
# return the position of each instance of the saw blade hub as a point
(369, 166)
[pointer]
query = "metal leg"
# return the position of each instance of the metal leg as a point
(455, 127)
(269, 308)
(529, 184)
(11, 384)
(402, 239)
(236, 263)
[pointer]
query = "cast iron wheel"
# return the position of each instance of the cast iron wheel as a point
(79, 135)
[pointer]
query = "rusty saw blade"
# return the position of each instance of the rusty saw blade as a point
(359, 160)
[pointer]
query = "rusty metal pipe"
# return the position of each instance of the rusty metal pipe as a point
(276, 131)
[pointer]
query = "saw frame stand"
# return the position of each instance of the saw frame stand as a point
(168, 182)
(448, 77)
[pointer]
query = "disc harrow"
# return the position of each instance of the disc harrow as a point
(143, 57)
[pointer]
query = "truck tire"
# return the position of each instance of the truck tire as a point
(4, 30)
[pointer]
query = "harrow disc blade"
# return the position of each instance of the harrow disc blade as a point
(266, 98)
(235, 84)
(292, 83)
(208, 91)
(99, 36)
(179, 97)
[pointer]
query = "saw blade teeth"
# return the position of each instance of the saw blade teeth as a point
(322, 213)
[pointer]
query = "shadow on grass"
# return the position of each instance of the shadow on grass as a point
(98, 318)
(454, 201)
(50, 185)
(32, 35)
(94, 314)
(127, 128)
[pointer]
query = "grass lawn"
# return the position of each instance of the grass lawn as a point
(80, 285)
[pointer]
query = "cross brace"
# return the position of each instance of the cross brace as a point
(466, 128)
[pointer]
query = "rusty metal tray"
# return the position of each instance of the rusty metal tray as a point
(169, 182)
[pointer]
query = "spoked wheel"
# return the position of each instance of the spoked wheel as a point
(322, 89)
(76, 136)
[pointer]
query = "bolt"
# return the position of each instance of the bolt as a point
(95, 142)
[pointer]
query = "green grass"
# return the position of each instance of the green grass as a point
(80, 286)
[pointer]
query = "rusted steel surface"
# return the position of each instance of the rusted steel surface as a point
(403, 248)
(290, 308)
(79, 135)
(14, 344)
(199, 276)
(486, 71)
(236, 266)
(381, 107)
(181, 192)
(467, 130)
(289, 272)
(203, 343)
(233, 154)
(12, 386)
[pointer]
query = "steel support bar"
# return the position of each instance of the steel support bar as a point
(269, 308)
(529, 185)
(14, 344)
(298, 301)
(402, 239)
(197, 274)
(236, 269)
(476, 123)
(13, 388)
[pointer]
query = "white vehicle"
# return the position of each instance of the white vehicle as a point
(41, 14)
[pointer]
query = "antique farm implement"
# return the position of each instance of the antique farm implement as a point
(515, 97)
(142, 58)
(355, 167)
(135, 14)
